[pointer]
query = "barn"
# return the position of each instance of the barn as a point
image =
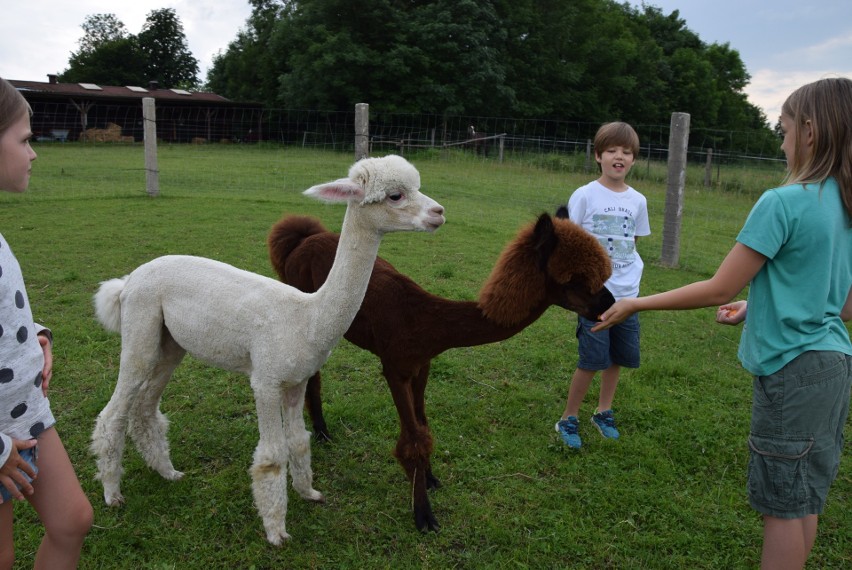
(109, 113)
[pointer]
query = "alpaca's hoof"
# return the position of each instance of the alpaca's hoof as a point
(315, 496)
(172, 475)
(277, 538)
(321, 435)
(114, 499)
(425, 520)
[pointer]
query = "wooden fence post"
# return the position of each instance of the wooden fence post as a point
(587, 167)
(152, 174)
(708, 169)
(678, 140)
(362, 130)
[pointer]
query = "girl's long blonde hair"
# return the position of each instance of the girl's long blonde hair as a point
(827, 104)
(12, 105)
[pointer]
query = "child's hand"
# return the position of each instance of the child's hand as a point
(10, 472)
(732, 313)
(47, 371)
(617, 313)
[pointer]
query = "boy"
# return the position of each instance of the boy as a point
(617, 215)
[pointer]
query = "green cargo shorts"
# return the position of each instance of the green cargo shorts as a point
(798, 414)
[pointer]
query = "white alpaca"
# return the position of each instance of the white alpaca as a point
(248, 323)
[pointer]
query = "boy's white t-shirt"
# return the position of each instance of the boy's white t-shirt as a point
(615, 219)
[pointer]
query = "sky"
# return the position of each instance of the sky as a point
(783, 43)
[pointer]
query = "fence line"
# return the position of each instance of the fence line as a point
(555, 145)
(333, 130)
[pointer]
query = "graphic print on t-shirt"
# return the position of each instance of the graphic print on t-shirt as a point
(615, 233)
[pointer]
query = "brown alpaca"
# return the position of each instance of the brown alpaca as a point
(550, 262)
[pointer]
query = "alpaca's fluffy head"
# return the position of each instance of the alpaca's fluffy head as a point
(391, 181)
(551, 258)
(577, 255)
(380, 177)
(371, 180)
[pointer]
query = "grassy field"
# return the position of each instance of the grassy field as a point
(669, 494)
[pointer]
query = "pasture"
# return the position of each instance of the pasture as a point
(669, 494)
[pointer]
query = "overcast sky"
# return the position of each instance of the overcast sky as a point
(783, 43)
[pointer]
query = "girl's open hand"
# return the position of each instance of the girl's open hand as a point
(732, 313)
(11, 472)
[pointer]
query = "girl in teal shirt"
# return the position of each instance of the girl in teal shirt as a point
(795, 254)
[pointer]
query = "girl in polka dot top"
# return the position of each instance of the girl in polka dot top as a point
(33, 462)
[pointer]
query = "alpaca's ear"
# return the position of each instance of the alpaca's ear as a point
(562, 212)
(341, 190)
(544, 240)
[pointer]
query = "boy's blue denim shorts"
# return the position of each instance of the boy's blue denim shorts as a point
(600, 350)
(798, 414)
(30, 456)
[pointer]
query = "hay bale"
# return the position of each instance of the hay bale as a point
(112, 133)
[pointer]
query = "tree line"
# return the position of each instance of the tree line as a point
(110, 55)
(577, 60)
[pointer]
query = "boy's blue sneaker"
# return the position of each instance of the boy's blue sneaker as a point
(568, 429)
(605, 422)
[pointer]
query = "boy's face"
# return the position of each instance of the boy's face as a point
(616, 162)
(16, 156)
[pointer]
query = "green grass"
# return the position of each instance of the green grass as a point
(670, 494)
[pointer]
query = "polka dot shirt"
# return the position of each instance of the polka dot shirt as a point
(24, 411)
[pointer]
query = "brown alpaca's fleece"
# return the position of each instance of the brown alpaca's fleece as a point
(550, 262)
(516, 285)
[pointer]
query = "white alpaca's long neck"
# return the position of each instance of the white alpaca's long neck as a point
(340, 297)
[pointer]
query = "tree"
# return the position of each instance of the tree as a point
(163, 43)
(620, 62)
(108, 54)
(249, 70)
(541, 69)
(431, 57)
(101, 29)
(114, 62)
(583, 60)
(449, 60)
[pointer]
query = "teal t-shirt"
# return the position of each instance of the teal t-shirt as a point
(794, 301)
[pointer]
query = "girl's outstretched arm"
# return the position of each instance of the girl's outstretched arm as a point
(738, 268)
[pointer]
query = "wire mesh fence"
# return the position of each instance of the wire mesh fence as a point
(66, 121)
(240, 150)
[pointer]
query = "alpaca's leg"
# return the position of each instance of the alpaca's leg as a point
(109, 434)
(418, 390)
(313, 402)
(269, 469)
(299, 443)
(148, 425)
(140, 353)
(413, 449)
(108, 447)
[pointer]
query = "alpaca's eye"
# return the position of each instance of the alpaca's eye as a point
(395, 197)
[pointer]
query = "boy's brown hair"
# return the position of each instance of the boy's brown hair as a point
(616, 134)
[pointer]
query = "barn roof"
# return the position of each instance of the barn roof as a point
(117, 93)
